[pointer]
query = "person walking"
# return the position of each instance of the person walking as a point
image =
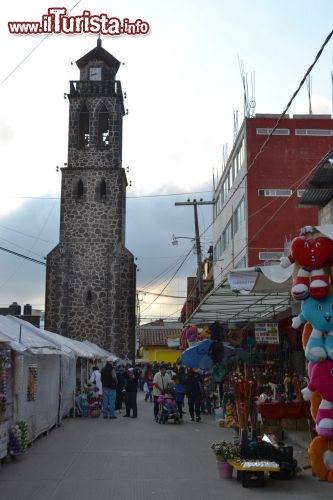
(96, 381)
(149, 386)
(131, 378)
(179, 390)
(120, 372)
(109, 384)
(161, 382)
(194, 392)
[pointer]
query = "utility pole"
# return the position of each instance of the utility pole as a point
(195, 204)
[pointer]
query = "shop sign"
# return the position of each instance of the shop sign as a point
(266, 333)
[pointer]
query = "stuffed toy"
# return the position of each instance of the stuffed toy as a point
(204, 333)
(321, 380)
(189, 335)
(313, 255)
(321, 458)
(320, 314)
(316, 397)
(320, 449)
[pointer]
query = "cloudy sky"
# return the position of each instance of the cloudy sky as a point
(184, 88)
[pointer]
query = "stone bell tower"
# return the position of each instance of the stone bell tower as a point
(91, 276)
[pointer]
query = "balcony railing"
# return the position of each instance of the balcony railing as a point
(94, 88)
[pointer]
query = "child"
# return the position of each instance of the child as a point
(148, 387)
(168, 404)
(179, 390)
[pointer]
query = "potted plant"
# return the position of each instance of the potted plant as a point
(226, 451)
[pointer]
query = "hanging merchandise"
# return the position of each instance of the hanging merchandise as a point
(15, 440)
(32, 382)
(24, 435)
(18, 438)
(3, 439)
(6, 396)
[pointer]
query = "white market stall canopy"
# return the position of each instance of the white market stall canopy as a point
(23, 336)
(247, 295)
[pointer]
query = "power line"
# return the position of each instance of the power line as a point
(23, 256)
(128, 197)
(31, 51)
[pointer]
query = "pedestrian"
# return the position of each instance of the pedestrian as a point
(194, 393)
(149, 384)
(131, 378)
(120, 389)
(109, 384)
(179, 390)
(161, 382)
(96, 381)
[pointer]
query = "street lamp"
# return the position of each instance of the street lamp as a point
(176, 238)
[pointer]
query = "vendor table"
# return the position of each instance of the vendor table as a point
(252, 472)
(278, 411)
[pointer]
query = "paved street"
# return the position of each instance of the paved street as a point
(95, 459)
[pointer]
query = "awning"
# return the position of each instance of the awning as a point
(247, 295)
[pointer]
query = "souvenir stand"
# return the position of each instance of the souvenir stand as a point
(6, 397)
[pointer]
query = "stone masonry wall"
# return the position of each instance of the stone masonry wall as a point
(91, 276)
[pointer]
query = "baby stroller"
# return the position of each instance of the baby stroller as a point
(167, 409)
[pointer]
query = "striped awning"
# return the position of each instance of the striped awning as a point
(247, 296)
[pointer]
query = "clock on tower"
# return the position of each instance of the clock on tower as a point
(95, 73)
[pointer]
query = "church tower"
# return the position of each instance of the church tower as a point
(91, 276)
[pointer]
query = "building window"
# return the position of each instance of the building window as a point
(275, 192)
(239, 215)
(241, 263)
(300, 193)
(79, 189)
(227, 236)
(268, 131)
(270, 256)
(218, 250)
(102, 190)
(84, 136)
(103, 126)
(314, 132)
(239, 158)
(225, 190)
(89, 297)
(218, 204)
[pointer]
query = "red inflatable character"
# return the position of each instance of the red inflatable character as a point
(312, 253)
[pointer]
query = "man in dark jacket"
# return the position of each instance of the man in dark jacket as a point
(194, 391)
(109, 384)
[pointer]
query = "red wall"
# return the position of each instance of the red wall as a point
(285, 163)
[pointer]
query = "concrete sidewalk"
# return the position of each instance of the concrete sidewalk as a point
(95, 459)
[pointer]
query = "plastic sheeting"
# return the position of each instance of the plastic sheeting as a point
(37, 392)
(45, 367)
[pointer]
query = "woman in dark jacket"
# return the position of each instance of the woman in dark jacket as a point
(131, 377)
(194, 391)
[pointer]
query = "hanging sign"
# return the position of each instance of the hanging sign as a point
(266, 333)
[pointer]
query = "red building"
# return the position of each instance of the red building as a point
(257, 209)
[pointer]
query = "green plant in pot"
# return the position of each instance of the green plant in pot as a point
(226, 451)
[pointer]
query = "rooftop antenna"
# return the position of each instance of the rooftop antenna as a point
(249, 105)
(236, 128)
(309, 91)
(253, 99)
(245, 88)
(224, 155)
